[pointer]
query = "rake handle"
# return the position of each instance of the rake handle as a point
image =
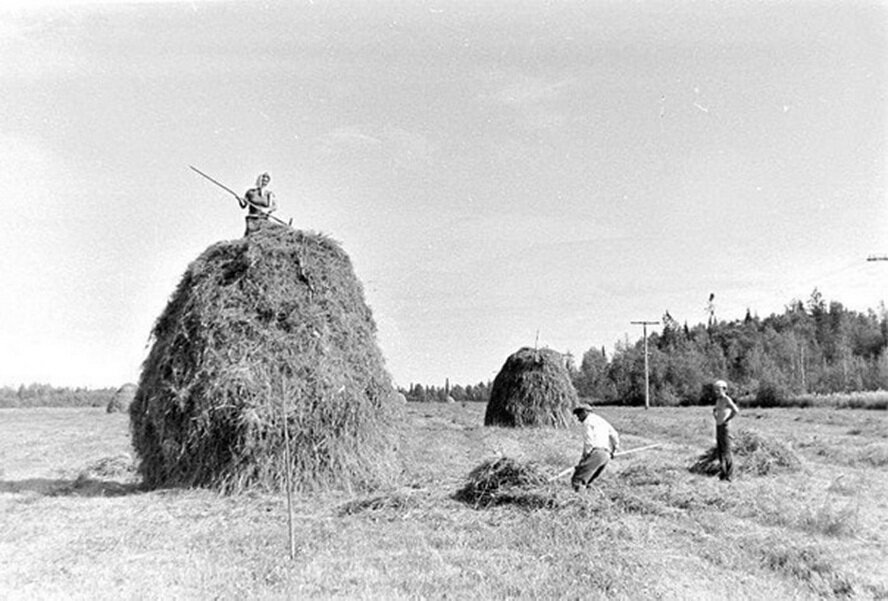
(568, 470)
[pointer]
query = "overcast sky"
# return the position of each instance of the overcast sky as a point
(497, 171)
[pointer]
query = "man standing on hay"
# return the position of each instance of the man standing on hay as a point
(600, 442)
(724, 411)
(261, 203)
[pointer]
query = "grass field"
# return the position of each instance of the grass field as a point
(73, 523)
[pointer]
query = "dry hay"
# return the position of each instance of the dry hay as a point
(262, 331)
(394, 504)
(506, 481)
(106, 477)
(122, 399)
(533, 388)
(753, 454)
(115, 466)
(811, 564)
(646, 474)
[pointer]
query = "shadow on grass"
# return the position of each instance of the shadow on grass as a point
(113, 476)
(78, 487)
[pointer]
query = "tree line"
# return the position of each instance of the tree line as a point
(812, 347)
(44, 395)
(418, 393)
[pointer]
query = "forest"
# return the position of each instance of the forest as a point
(477, 393)
(45, 395)
(811, 348)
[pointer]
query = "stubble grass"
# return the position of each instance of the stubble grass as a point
(76, 525)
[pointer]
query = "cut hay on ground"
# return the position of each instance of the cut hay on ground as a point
(395, 503)
(504, 480)
(266, 330)
(122, 399)
(753, 453)
(107, 477)
(533, 388)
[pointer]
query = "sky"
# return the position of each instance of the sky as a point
(502, 174)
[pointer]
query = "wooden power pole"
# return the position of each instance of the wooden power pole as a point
(647, 385)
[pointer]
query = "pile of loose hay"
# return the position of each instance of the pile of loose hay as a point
(504, 480)
(753, 454)
(122, 399)
(106, 477)
(262, 331)
(533, 388)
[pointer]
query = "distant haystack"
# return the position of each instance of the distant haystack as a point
(533, 388)
(122, 399)
(267, 328)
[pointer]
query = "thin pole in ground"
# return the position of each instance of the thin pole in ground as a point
(288, 480)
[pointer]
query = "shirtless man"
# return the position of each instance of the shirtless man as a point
(724, 411)
(261, 203)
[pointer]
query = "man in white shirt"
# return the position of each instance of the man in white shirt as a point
(600, 442)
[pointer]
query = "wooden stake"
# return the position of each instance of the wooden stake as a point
(287, 476)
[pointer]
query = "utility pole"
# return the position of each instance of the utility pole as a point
(647, 391)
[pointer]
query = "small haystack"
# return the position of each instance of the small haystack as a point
(262, 331)
(110, 476)
(122, 399)
(533, 388)
(503, 480)
(753, 454)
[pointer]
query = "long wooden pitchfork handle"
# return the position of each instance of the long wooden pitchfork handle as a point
(568, 470)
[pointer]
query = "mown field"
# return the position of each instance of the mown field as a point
(74, 524)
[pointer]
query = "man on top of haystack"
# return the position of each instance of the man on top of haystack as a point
(261, 203)
(600, 442)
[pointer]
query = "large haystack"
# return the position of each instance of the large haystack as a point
(123, 397)
(533, 388)
(269, 325)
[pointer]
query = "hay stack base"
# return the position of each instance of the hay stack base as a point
(264, 331)
(533, 388)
